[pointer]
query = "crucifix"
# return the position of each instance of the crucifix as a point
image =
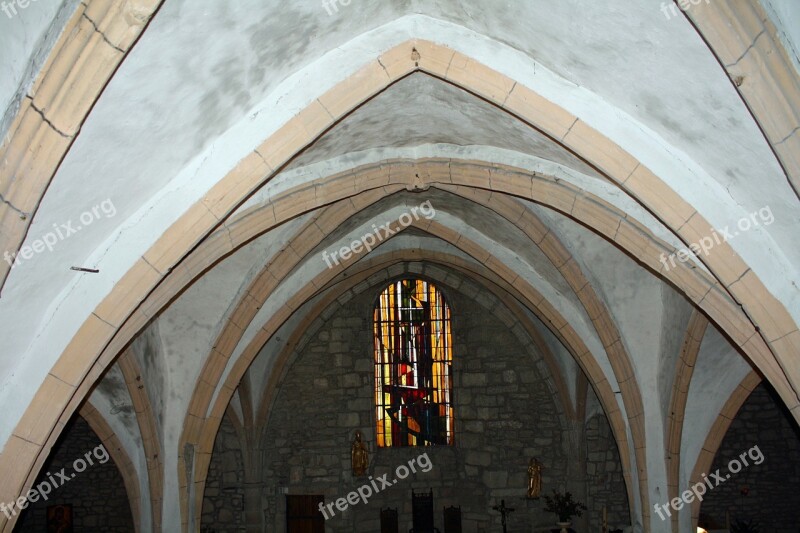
(503, 512)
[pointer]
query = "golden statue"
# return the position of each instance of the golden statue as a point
(534, 479)
(359, 456)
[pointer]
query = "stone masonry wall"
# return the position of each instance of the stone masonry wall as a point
(605, 482)
(223, 500)
(773, 500)
(97, 495)
(505, 414)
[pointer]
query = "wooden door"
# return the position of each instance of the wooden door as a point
(302, 514)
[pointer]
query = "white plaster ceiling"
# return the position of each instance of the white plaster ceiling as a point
(420, 110)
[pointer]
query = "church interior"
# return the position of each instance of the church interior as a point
(400, 265)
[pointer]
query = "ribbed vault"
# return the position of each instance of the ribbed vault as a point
(559, 188)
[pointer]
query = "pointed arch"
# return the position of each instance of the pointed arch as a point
(201, 431)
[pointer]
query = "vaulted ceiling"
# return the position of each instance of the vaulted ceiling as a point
(567, 148)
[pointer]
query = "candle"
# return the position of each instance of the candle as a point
(728, 520)
(605, 519)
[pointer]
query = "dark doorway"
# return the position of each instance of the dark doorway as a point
(302, 514)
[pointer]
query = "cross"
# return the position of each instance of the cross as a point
(503, 512)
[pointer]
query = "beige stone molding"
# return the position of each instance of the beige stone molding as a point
(690, 349)
(148, 430)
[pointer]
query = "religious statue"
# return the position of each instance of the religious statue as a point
(534, 479)
(359, 456)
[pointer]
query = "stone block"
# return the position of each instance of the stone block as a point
(495, 479)
(343, 360)
(477, 458)
(473, 379)
(350, 380)
(364, 365)
(348, 420)
(488, 413)
(360, 405)
(475, 426)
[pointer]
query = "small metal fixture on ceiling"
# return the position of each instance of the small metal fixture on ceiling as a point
(81, 269)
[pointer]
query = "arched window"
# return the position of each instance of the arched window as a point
(413, 366)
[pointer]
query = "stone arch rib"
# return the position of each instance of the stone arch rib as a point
(148, 430)
(690, 349)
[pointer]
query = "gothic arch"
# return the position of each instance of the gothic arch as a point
(205, 430)
(312, 235)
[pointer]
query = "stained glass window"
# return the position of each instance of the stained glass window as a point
(413, 366)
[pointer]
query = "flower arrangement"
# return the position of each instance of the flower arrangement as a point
(563, 505)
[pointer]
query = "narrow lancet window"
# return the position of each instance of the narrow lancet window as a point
(413, 366)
